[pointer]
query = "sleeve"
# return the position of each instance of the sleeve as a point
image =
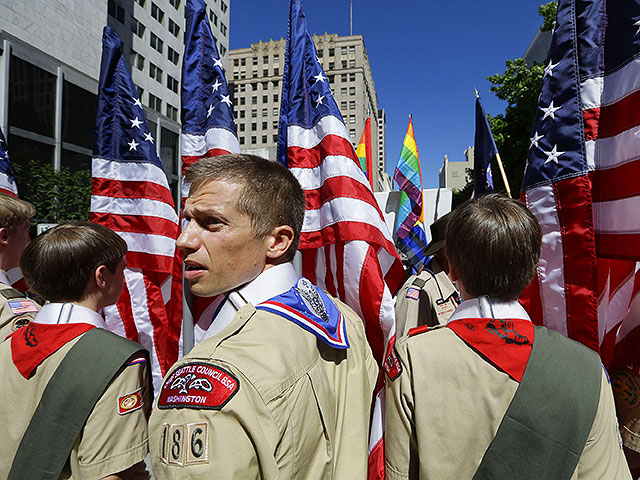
(401, 454)
(232, 433)
(25, 311)
(413, 308)
(626, 389)
(115, 436)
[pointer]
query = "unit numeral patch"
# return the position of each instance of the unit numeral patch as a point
(184, 444)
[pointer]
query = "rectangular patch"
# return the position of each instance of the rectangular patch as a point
(198, 385)
(198, 438)
(413, 293)
(22, 306)
(130, 402)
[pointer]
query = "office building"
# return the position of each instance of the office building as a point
(454, 174)
(255, 79)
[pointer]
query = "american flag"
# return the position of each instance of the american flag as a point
(130, 194)
(7, 180)
(208, 128)
(581, 179)
(345, 244)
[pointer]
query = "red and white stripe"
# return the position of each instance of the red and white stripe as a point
(8, 186)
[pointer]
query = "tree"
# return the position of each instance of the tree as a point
(519, 86)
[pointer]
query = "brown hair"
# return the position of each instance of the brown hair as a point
(58, 264)
(271, 196)
(14, 212)
(493, 244)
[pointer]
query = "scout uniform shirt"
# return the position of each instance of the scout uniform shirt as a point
(626, 390)
(445, 402)
(428, 298)
(283, 391)
(115, 435)
(16, 310)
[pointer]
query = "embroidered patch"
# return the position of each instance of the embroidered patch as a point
(392, 365)
(130, 402)
(182, 444)
(311, 298)
(413, 293)
(445, 309)
(136, 360)
(22, 306)
(21, 321)
(625, 388)
(199, 386)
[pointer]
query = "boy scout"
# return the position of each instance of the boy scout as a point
(490, 396)
(281, 385)
(75, 399)
(428, 298)
(16, 309)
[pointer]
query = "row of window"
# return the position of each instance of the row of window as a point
(254, 60)
(343, 51)
(214, 19)
(155, 103)
(254, 139)
(254, 99)
(242, 87)
(265, 73)
(254, 113)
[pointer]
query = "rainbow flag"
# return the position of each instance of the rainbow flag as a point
(412, 240)
(364, 152)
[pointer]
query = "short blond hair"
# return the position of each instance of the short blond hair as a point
(14, 212)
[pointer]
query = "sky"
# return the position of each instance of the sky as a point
(426, 58)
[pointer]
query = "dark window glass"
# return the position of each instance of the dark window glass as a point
(31, 98)
(78, 115)
(169, 151)
(75, 161)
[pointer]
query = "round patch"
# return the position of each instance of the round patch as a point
(625, 388)
(128, 402)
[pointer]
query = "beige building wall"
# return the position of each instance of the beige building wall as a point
(255, 78)
(453, 175)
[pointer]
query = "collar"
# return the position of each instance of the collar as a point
(501, 309)
(65, 313)
(270, 283)
(4, 278)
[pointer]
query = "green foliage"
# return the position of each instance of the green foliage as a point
(58, 196)
(548, 12)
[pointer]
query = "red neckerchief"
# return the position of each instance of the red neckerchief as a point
(32, 344)
(505, 343)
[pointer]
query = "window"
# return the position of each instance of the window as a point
(274, 124)
(254, 140)
(275, 111)
(332, 52)
(352, 90)
(172, 112)
(254, 61)
(140, 92)
(275, 138)
(265, 98)
(78, 114)
(254, 100)
(352, 132)
(254, 113)
(155, 42)
(243, 61)
(157, 13)
(352, 49)
(352, 119)
(137, 27)
(265, 59)
(352, 63)
(343, 77)
(241, 140)
(264, 125)
(241, 127)
(319, 53)
(343, 105)
(223, 29)
(141, 2)
(242, 113)
(223, 6)
(155, 103)
(265, 72)
(236, 76)
(332, 65)
(275, 97)
(116, 11)
(265, 112)
(265, 85)
(213, 17)
(174, 28)
(243, 87)
(352, 77)
(223, 50)
(172, 84)
(236, 62)
(343, 50)
(172, 55)
(276, 58)
(254, 73)
(242, 100)
(343, 91)
(175, 4)
(330, 78)
(264, 139)
(136, 60)
(155, 72)
(352, 105)
(276, 71)
(254, 126)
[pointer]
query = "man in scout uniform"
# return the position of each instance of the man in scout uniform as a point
(428, 298)
(626, 390)
(16, 310)
(75, 399)
(282, 382)
(490, 396)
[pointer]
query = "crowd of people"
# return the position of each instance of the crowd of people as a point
(281, 381)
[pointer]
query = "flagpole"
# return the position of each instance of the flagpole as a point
(499, 160)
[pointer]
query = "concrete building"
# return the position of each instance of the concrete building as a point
(453, 175)
(382, 137)
(255, 80)
(49, 67)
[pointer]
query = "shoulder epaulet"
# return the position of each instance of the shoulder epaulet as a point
(10, 293)
(421, 282)
(416, 330)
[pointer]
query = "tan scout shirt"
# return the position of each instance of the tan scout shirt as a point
(431, 304)
(109, 443)
(16, 310)
(444, 409)
(284, 405)
(626, 389)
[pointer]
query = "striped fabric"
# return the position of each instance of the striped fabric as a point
(345, 244)
(580, 180)
(7, 180)
(130, 195)
(364, 153)
(412, 240)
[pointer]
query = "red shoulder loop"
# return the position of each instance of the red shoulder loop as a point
(416, 330)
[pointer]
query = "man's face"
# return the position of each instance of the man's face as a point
(18, 239)
(221, 252)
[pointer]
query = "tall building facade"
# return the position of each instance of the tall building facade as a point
(453, 175)
(255, 79)
(50, 63)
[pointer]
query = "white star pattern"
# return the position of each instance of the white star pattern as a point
(216, 62)
(553, 155)
(133, 145)
(210, 111)
(225, 99)
(136, 123)
(148, 137)
(136, 101)
(319, 101)
(215, 86)
(548, 70)
(637, 24)
(319, 78)
(550, 111)
(535, 139)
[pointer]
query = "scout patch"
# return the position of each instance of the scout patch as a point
(198, 385)
(625, 388)
(130, 402)
(184, 444)
(312, 309)
(392, 365)
(444, 308)
(22, 306)
(413, 293)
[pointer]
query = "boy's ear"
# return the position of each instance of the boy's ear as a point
(453, 275)
(279, 241)
(99, 276)
(4, 236)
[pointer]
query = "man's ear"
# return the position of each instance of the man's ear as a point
(4, 236)
(279, 241)
(453, 275)
(98, 275)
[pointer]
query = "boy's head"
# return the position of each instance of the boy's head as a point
(59, 264)
(14, 229)
(493, 246)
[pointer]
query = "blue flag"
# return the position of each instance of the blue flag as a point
(484, 150)
(7, 180)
